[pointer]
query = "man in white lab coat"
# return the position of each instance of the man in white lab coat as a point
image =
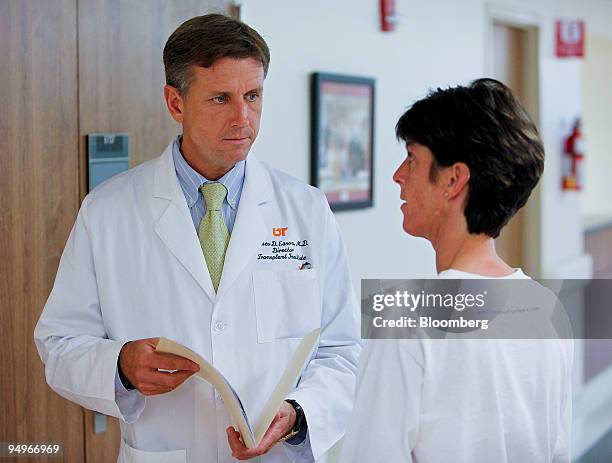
(218, 252)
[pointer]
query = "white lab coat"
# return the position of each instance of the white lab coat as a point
(133, 268)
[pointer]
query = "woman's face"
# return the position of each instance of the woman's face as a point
(424, 201)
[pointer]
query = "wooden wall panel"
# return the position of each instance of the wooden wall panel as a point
(121, 79)
(38, 203)
(121, 73)
(598, 243)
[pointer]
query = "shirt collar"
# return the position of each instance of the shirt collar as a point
(191, 180)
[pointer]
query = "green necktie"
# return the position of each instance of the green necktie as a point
(213, 233)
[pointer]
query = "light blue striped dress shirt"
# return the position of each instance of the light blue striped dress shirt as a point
(190, 182)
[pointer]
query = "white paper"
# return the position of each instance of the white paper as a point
(231, 399)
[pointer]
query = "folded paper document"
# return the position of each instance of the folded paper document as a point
(250, 436)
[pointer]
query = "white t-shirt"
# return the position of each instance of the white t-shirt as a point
(462, 400)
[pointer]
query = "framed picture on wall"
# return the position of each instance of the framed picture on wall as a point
(342, 139)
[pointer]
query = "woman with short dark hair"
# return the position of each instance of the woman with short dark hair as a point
(473, 158)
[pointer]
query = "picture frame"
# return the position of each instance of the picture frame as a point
(342, 139)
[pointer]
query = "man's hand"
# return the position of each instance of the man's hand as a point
(139, 363)
(280, 426)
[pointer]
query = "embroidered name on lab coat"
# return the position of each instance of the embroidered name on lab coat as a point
(283, 250)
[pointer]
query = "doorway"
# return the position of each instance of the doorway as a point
(514, 61)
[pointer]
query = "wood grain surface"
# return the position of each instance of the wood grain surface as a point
(39, 202)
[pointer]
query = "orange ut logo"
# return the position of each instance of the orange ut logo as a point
(279, 231)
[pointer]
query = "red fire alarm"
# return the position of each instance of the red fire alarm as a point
(570, 38)
(388, 15)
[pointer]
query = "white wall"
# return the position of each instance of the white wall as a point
(344, 37)
(597, 91)
(438, 43)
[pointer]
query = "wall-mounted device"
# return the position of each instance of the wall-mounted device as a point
(108, 154)
(389, 17)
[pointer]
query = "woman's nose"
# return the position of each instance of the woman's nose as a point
(398, 176)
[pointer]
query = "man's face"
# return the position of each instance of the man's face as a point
(220, 113)
(424, 204)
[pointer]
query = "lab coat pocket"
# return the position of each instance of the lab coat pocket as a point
(129, 454)
(287, 304)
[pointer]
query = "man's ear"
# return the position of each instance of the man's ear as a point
(174, 102)
(457, 178)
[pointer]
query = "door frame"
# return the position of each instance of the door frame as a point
(531, 22)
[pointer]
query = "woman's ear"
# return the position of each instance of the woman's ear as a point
(457, 178)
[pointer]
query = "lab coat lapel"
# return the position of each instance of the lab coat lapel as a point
(249, 229)
(175, 226)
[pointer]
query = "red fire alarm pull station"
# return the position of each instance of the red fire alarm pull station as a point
(570, 38)
(388, 15)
